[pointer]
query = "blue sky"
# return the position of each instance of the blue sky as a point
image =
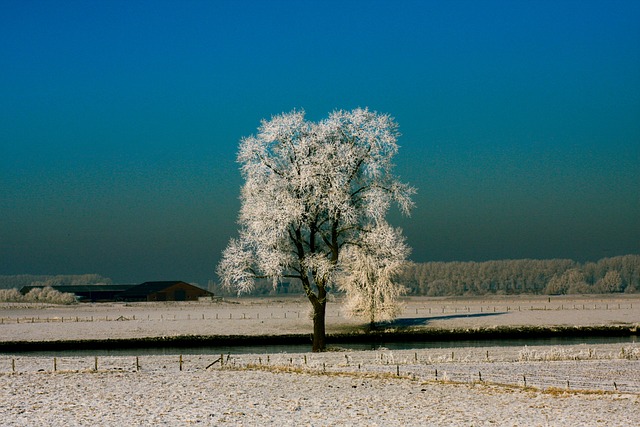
(120, 121)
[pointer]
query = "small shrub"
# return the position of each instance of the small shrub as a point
(11, 295)
(629, 353)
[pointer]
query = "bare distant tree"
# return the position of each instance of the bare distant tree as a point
(314, 203)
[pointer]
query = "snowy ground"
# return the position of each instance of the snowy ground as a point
(528, 386)
(383, 388)
(29, 322)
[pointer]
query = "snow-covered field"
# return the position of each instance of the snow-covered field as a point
(384, 388)
(595, 384)
(31, 322)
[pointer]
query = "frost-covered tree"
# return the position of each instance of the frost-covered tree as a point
(370, 279)
(49, 295)
(611, 282)
(314, 203)
(41, 295)
(570, 282)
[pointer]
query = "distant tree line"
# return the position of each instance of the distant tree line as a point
(504, 277)
(262, 288)
(524, 276)
(18, 281)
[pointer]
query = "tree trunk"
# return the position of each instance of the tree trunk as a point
(319, 310)
(319, 335)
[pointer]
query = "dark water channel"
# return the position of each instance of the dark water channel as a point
(304, 348)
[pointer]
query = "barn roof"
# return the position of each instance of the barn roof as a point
(146, 288)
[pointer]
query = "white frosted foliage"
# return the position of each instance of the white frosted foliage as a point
(369, 278)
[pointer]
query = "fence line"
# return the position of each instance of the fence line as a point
(298, 314)
(578, 375)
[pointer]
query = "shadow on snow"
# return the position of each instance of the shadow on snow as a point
(423, 321)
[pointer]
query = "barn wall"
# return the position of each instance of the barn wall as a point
(178, 292)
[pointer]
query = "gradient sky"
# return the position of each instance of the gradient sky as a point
(120, 122)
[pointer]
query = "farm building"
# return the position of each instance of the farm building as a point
(164, 291)
(148, 291)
